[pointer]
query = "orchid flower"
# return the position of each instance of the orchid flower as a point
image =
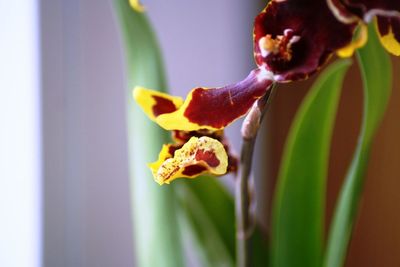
(201, 119)
(292, 40)
(195, 151)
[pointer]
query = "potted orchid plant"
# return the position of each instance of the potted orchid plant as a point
(293, 40)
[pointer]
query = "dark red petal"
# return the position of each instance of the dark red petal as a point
(233, 164)
(367, 9)
(194, 170)
(341, 12)
(385, 25)
(389, 33)
(162, 106)
(173, 147)
(301, 36)
(215, 108)
(218, 107)
(181, 137)
(207, 156)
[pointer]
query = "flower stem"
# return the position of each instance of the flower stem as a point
(244, 228)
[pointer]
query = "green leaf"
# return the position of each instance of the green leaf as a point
(377, 77)
(210, 215)
(260, 250)
(298, 211)
(209, 211)
(156, 231)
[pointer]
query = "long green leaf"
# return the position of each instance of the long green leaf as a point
(154, 208)
(298, 213)
(209, 211)
(377, 77)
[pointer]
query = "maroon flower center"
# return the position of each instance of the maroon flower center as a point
(280, 46)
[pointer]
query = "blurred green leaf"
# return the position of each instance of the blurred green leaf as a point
(298, 211)
(376, 71)
(260, 251)
(209, 210)
(210, 213)
(156, 230)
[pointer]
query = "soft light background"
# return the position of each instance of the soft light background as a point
(86, 211)
(64, 198)
(20, 135)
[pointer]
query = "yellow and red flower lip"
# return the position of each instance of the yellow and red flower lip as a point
(197, 123)
(194, 154)
(196, 157)
(204, 108)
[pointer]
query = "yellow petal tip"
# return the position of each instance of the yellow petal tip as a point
(387, 39)
(138, 92)
(390, 43)
(358, 42)
(136, 5)
(155, 103)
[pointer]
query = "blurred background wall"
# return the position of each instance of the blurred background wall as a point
(86, 199)
(20, 135)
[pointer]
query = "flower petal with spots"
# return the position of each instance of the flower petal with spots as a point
(197, 156)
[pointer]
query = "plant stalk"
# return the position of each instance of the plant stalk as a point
(243, 199)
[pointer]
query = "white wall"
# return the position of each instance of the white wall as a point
(20, 152)
(86, 197)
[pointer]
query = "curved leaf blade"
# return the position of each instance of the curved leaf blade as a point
(156, 230)
(376, 72)
(209, 211)
(298, 211)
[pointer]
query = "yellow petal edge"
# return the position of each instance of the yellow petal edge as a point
(389, 42)
(359, 42)
(169, 121)
(177, 120)
(167, 168)
(144, 97)
(135, 4)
